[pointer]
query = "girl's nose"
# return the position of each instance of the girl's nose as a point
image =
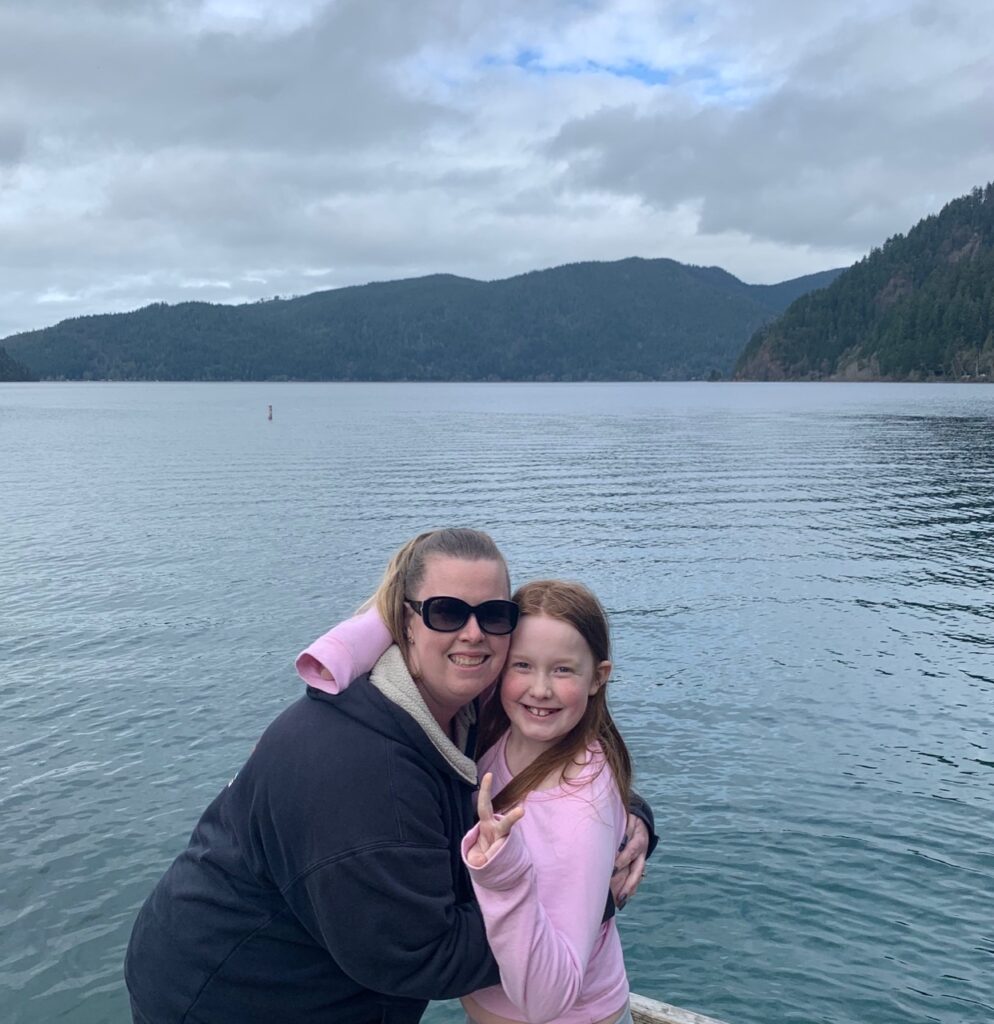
(540, 686)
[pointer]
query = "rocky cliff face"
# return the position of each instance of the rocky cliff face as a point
(762, 364)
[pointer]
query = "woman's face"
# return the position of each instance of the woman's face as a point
(453, 668)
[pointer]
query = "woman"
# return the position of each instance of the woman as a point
(325, 882)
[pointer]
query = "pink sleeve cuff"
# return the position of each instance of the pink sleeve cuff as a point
(347, 651)
(505, 868)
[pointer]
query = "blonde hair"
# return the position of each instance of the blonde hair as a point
(575, 604)
(407, 569)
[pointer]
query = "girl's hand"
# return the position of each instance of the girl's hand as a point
(493, 829)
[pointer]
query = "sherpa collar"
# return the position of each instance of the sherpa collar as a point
(391, 678)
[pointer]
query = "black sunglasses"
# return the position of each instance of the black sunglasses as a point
(447, 614)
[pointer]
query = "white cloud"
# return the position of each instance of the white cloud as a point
(229, 149)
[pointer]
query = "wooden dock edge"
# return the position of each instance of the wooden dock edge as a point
(650, 1011)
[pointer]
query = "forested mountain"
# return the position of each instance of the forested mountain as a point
(634, 319)
(11, 369)
(921, 307)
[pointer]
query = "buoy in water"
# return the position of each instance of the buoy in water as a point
(269, 414)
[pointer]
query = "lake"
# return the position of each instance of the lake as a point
(800, 579)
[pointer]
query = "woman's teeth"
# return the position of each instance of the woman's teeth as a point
(466, 660)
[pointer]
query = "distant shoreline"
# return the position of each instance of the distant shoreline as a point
(331, 380)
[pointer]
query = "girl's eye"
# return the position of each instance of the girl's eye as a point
(519, 665)
(563, 670)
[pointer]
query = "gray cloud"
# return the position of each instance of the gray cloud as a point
(843, 152)
(107, 81)
(234, 149)
(13, 142)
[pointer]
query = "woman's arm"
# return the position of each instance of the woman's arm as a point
(388, 917)
(543, 956)
(639, 843)
(369, 873)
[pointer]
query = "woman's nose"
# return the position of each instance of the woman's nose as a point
(471, 631)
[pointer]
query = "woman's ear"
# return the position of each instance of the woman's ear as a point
(601, 675)
(408, 623)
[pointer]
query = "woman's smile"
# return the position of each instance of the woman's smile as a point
(468, 660)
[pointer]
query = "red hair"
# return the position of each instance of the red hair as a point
(576, 605)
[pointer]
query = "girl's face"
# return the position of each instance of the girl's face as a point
(453, 668)
(549, 678)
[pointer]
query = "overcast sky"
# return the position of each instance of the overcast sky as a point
(229, 150)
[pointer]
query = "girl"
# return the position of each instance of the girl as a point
(560, 772)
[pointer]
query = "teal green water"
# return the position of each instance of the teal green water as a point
(800, 583)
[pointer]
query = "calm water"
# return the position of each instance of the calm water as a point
(801, 583)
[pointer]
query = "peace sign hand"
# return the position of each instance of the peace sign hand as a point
(493, 829)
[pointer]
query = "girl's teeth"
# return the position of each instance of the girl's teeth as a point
(539, 712)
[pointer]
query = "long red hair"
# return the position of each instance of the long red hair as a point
(576, 605)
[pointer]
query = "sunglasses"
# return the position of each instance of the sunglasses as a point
(447, 614)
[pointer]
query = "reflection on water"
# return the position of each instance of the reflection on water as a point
(799, 579)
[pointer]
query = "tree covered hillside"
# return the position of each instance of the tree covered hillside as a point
(634, 319)
(11, 369)
(919, 308)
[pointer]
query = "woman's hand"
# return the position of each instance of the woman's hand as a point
(629, 865)
(494, 829)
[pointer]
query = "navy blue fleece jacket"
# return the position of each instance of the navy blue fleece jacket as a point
(324, 883)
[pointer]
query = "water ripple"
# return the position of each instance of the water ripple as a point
(799, 579)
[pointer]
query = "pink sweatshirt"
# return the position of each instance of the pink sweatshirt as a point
(542, 897)
(543, 894)
(348, 651)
